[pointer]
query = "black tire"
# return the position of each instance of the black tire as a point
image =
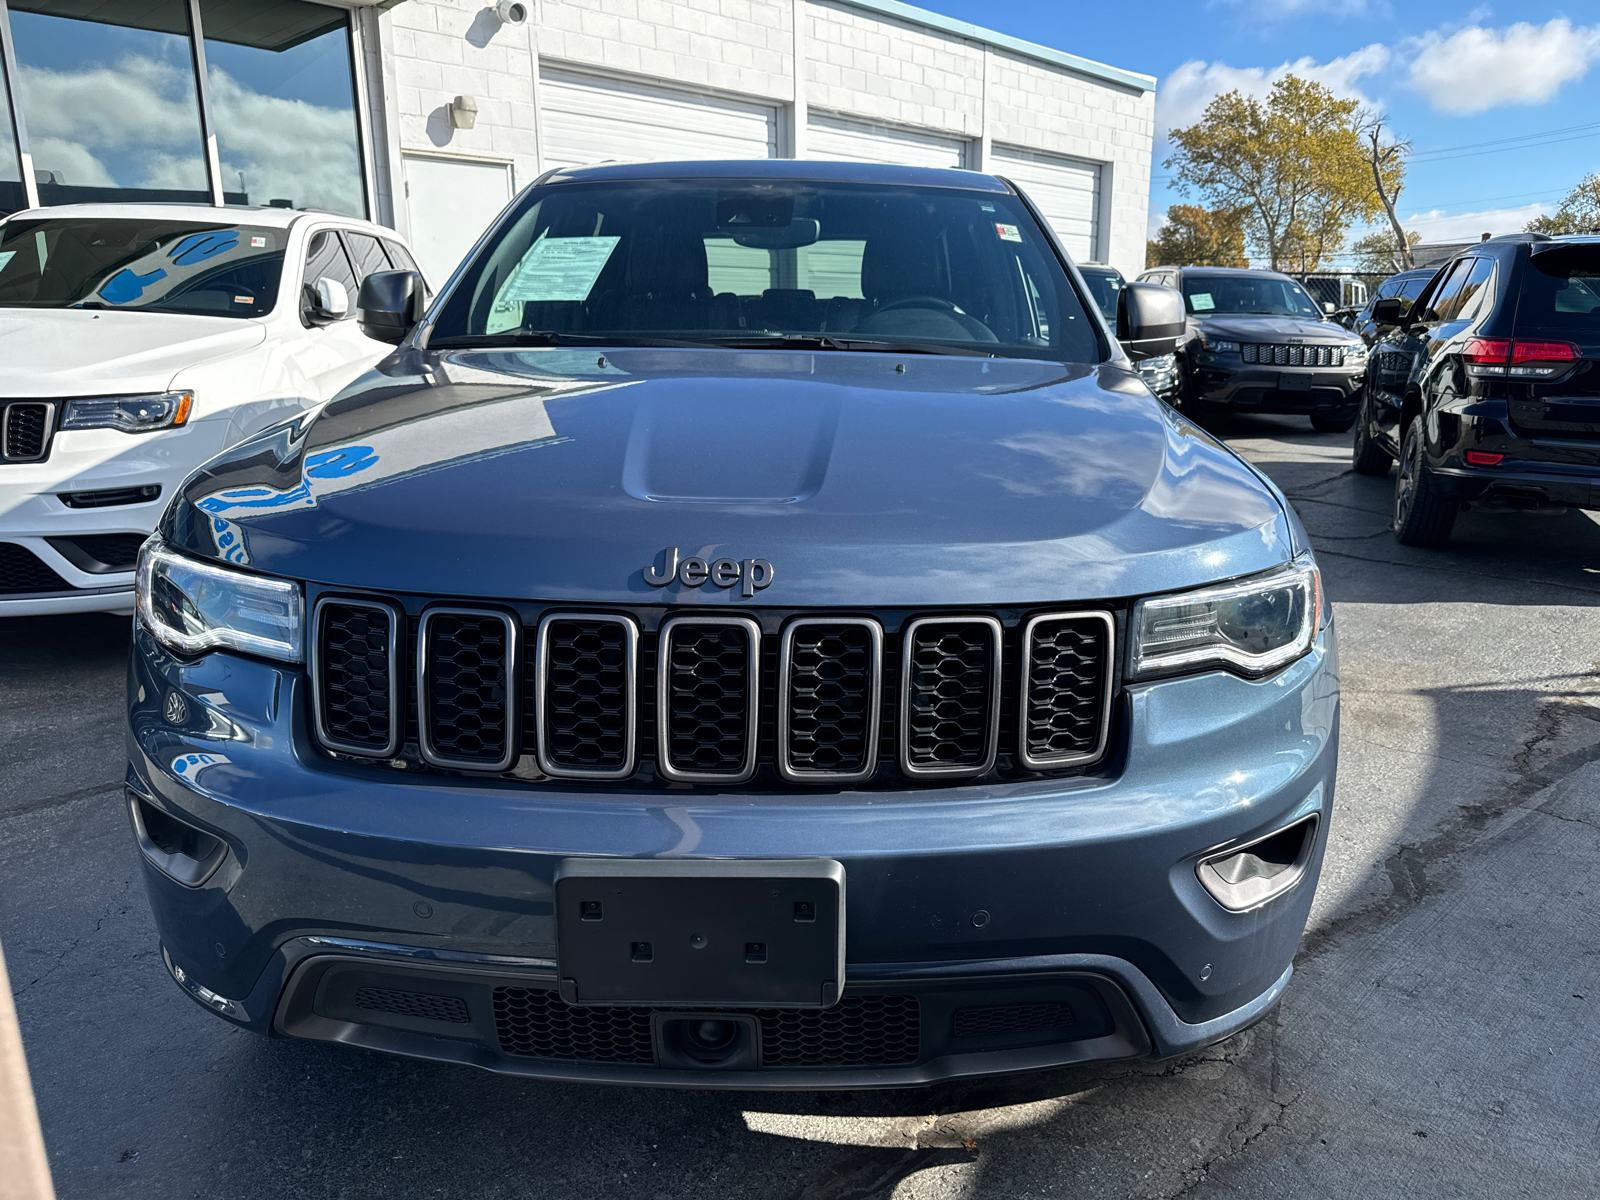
(1332, 424)
(1422, 517)
(1368, 458)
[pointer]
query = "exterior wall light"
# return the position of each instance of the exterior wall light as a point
(511, 12)
(463, 112)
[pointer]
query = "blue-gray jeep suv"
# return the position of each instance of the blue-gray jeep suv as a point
(756, 630)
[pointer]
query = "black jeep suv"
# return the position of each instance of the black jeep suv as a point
(1260, 344)
(1487, 390)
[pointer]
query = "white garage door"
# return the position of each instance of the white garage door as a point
(450, 202)
(588, 118)
(1065, 190)
(838, 139)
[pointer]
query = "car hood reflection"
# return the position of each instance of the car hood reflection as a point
(864, 479)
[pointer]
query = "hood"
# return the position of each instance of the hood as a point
(82, 352)
(862, 478)
(1268, 329)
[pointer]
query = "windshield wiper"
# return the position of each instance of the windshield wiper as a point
(549, 337)
(827, 341)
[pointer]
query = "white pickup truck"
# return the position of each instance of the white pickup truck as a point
(136, 342)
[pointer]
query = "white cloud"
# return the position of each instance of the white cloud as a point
(1476, 69)
(138, 125)
(1435, 225)
(1184, 94)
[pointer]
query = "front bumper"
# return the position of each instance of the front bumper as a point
(94, 461)
(1224, 379)
(1078, 892)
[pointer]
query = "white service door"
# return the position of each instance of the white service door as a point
(590, 118)
(837, 139)
(1065, 190)
(451, 202)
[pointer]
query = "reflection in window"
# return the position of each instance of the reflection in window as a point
(12, 196)
(109, 99)
(283, 103)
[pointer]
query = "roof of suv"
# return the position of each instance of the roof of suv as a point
(272, 218)
(1227, 271)
(781, 168)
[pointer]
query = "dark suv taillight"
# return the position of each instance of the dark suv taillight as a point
(1518, 359)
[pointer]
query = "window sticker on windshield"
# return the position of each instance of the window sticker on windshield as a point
(5, 257)
(559, 269)
(1008, 233)
(1201, 301)
(257, 243)
(986, 206)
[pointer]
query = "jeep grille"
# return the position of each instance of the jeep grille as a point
(799, 698)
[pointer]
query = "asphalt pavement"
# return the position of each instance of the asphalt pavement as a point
(1439, 1038)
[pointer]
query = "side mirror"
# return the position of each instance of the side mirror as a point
(1150, 319)
(390, 305)
(332, 300)
(1391, 310)
(1328, 306)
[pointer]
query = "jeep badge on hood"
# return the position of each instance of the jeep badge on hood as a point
(755, 573)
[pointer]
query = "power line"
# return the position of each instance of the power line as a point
(1502, 141)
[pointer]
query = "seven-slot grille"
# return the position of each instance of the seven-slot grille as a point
(1292, 356)
(25, 427)
(699, 699)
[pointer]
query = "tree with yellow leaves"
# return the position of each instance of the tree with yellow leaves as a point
(1293, 166)
(1193, 236)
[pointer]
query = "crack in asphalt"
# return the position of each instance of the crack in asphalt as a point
(112, 908)
(1203, 1171)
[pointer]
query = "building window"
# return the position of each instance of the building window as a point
(283, 104)
(12, 196)
(109, 100)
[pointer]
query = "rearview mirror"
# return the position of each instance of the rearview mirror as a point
(1150, 319)
(802, 231)
(390, 305)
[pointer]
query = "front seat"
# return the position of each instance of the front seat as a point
(666, 288)
(907, 292)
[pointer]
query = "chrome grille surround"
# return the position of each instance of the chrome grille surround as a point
(665, 767)
(513, 674)
(630, 709)
(320, 699)
(17, 442)
(874, 703)
(991, 730)
(1107, 680)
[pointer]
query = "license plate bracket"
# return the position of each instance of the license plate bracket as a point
(700, 932)
(1295, 383)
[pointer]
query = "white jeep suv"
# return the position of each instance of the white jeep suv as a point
(136, 342)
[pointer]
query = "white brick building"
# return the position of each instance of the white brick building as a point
(363, 108)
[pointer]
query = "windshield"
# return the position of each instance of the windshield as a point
(833, 266)
(1262, 294)
(156, 265)
(1103, 286)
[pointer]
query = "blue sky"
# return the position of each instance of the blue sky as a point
(1450, 78)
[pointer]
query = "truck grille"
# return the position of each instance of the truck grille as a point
(25, 427)
(718, 700)
(859, 1031)
(1267, 353)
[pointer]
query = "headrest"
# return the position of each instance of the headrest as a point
(667, 268)
(900, 265)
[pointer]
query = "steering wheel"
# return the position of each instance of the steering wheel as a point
(971, 326)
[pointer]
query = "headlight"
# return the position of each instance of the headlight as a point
(1255, 626)
(1355, 354)
(131, 414)
(190, 606)
(1219, 347)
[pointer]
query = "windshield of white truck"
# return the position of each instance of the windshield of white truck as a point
(153, 265)
(753, 263)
